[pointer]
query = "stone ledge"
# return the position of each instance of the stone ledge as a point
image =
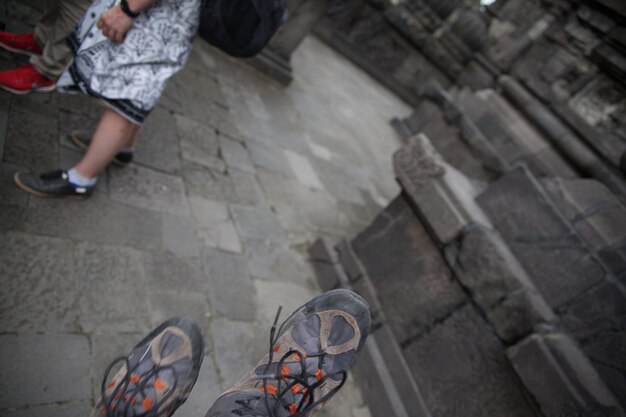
(382, 370)
(483, 262)
(443, 196)
(567, 385)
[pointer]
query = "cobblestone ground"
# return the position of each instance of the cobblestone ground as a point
(234, 177)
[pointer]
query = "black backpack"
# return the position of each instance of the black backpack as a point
(241, 28)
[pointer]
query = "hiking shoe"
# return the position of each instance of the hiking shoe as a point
(157, 376)
(25, 79)
(82, 139)
(51, 184)
(22, 44)
(308, 361)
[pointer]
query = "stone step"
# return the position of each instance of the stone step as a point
(514, 138)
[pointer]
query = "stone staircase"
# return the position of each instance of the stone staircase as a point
(497, 277)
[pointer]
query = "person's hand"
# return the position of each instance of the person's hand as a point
(114, 24)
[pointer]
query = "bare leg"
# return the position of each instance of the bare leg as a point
(113, 134)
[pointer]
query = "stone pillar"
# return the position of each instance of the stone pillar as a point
(275, 59)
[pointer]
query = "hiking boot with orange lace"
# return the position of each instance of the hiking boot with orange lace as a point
(157, 376)
(22, 44)
(308, 362)
(25, 79)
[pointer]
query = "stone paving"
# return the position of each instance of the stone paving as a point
(234, 177)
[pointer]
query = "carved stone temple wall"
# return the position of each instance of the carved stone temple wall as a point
(497, 278)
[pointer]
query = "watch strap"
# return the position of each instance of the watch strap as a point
(126, 9)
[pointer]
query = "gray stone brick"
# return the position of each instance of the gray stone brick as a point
(238, 348)
(248, 189)
(484, 264)
(461, 349)
(39, 290)
(179, 235)
(231, 292)
(158, 145)
(169, 272)
(214, 226)
(32, 367)
(557, 262)
(273, 294)
(13, 200)
(274, 262)
(236, 155)
(253, 223)
(73, 409)
(165, 305)
(209, 184)
(567, 383)
(199, 143)
(273, 160)
(398, 271)
(148, 189)
(519, 313)
(97, 219)
(323, 250)
(113, 289)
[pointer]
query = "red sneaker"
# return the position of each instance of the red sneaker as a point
(25, 79)
(22, 44)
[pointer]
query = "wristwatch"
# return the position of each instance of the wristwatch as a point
(126, 9)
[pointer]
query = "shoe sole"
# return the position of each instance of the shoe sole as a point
(33, 90)
(80, 144)
(17, 51)
(34, 192)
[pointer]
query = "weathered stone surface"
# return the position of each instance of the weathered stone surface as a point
(31, 138)
(166, 271)
(5, 100)
(179, 235)
(158, 145)
(231, 292)
(270, 261)
(519, 313)
(148, 189)
(32, 366)
(329, 276)
(555, 259)
(462, 349)
(112, 283)
(323, 250)
(568, 383)
(414, 285)
(116, 223)
(484, 264)
(273, 160)
(12, 199)
(238, 348)
(248, 189)
(253, 223)
(443, 196)
(303, 170)
(349, 260)
(274, 294)
(39, 285)
(73, 409)
(236, 155)
(199, 143)
(598, 320)
(167, 304)
(208, 183)
(214, 225)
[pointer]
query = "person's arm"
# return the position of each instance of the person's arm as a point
(114, 23)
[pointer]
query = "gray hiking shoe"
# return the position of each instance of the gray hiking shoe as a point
(308, 362)
(157, 376)
(82, 139)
